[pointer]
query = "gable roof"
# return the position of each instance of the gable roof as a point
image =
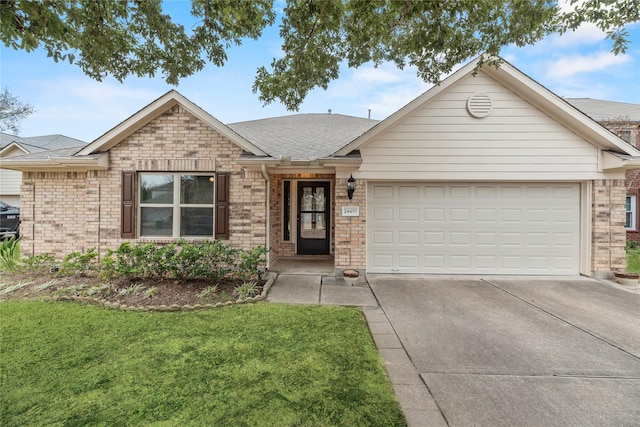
(36, 144)
(607, 111)
(303, 136)
(522, 85)
(154, 110)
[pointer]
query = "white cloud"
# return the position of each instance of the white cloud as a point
(383, 90)
(572, 65)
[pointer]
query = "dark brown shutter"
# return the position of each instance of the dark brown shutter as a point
(128, 206)
(222, 205)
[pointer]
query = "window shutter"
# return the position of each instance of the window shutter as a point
(222, 206)
(128, 206)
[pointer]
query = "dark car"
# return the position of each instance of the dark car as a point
(9, 221)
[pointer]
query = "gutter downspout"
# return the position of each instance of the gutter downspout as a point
(267, 178)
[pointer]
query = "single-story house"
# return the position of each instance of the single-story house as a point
(623, 119)
(12, 145)
(487, 173)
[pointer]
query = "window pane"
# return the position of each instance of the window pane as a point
(156, 222)
(196, 190)
(628, 221)
(627, 204)
(196, 221)
(156, 188)
(286, 232)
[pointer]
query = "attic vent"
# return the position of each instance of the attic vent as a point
(479, 105)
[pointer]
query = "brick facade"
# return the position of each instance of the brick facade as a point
(75, 211)
(71, 211)
(278, 246)
(350, 231)
(608, 236)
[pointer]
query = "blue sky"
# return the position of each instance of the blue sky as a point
(575, 65)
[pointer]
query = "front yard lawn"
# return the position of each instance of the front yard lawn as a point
(633, 261)
(253, 365)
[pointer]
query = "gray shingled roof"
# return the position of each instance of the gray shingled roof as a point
(303, 136)
(36, 144)
(606, 111)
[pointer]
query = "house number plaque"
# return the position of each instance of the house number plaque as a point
(351, 211)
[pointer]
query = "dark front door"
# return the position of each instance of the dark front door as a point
(313, 218)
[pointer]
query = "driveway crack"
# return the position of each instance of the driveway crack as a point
(586, 331)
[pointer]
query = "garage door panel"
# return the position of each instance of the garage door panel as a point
(475, 228)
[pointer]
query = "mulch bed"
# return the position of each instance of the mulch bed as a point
(141, 293)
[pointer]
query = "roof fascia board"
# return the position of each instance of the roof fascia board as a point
(611, 162)
(407, 109)
(154, 110)
(61, 164)
(558, 108)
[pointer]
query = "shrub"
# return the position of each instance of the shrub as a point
(184, 261)
(79, 263)
(43, 262)
(250, 263)
(10, 254)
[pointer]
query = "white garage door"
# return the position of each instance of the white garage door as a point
(473, 228)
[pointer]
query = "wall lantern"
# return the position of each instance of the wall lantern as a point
(351, 186)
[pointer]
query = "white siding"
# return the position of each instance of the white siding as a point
(10, 183)
(443, 141)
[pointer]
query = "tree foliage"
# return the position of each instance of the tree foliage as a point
(121, 38)
(12, 112)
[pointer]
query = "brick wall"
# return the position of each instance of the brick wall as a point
(632, 183)
(350, 232)
(608, 234)
(64, 212)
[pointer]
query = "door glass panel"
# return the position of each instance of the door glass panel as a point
(319, 199)
(307, 199)
(306, 222)
(312, 226)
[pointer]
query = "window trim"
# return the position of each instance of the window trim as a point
(632, 211)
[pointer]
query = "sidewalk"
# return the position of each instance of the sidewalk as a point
(328, 289)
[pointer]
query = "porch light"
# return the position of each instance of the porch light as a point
(351, 186)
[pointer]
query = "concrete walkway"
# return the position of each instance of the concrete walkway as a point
(303, 288)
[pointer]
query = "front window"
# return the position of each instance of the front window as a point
(176, 205)
(630, 210)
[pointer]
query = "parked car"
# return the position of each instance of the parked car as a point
(9, 221)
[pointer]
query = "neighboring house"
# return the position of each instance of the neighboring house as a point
(487, 173)
(623, 119)
(12, 145)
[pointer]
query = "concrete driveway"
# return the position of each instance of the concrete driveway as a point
(504, 351)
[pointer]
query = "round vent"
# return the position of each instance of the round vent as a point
(479, 105)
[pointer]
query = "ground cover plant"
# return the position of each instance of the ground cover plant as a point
(261, 364)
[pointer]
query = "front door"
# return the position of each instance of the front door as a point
(313, 218)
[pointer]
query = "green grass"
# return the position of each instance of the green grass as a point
(633, 260)
(65, 364)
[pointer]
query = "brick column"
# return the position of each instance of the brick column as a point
(350, 231)
(608, 234)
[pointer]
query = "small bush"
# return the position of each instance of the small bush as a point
(184, 261)
(79, 263)
(43, 262)
(10, 254)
